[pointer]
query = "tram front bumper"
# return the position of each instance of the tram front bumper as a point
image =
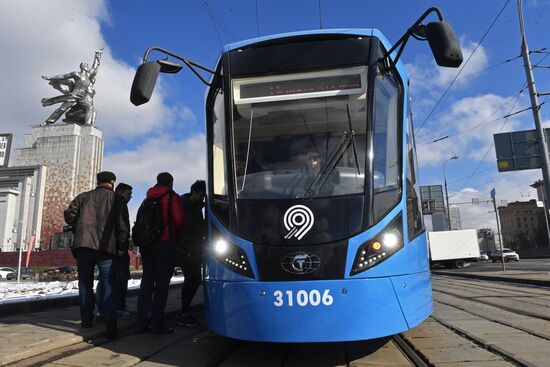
(318, 311)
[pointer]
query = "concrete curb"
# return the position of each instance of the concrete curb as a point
(536, 282)
(94, 337)
(50, 303)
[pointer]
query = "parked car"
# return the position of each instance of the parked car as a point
(26, 273)
(509, 254)
(6, 273)
(62, 270)
(483, 256)
(59, 273)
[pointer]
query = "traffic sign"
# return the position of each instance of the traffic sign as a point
(518, 150)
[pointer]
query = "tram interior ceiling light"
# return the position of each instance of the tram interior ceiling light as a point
(232, 257)
(380, 247)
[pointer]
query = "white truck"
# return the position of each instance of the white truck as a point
(453, 249)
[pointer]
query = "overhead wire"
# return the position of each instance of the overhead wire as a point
(428, 90)
(486, 122)
(230, 30)
(488, 150)
(480, 124)
(461, 69)
(213, 22)
(465, 133)
(502, 126)
(436, 87)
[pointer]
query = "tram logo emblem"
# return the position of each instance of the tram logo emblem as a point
(300, 262)
(298, 220)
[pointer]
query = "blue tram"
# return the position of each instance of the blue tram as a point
(315, 224)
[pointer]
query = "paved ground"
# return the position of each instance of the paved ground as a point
(523, 264)
(471, 326)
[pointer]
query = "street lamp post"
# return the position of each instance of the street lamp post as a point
(446, 192)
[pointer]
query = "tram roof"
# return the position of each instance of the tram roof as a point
(354, 31)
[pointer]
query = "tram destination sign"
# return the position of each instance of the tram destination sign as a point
(299, 86)
(5, 147)
(518, 150)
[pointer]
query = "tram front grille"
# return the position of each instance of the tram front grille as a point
(298, 263)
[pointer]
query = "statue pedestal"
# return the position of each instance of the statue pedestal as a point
(73, 155)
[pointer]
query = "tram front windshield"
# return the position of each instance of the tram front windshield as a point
(300, 135)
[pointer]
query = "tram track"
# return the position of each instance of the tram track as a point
(449, 336)
(494, 300)
(416, 358)
(481, 343)
(519, 312)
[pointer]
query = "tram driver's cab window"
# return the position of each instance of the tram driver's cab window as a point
(300, 135)
(219, 173)
(386, 142)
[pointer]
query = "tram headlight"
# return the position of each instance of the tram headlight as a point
(380, 247)
(220, 247)
(232, 257)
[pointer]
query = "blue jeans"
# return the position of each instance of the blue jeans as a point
(122, 288)
(158, 268)
(86, 260)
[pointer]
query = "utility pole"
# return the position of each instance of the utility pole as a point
(545, 159)
(493, 194)
(446, 192)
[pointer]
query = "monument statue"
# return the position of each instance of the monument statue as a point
(78, 93)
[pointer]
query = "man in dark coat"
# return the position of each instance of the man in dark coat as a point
(158, 259)
(125, 191)
(190, 247)
(101, 229)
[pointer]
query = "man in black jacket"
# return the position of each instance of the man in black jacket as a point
(101, 229)
(190, 247)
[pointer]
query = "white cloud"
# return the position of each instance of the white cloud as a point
(53, 37)
(511, 187)
(184, 159)
(425, 75)
(474, 118)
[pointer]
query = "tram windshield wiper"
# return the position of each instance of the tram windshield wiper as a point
(337, 153)
(347, 140)
(247, 149)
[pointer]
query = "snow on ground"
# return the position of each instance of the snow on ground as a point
(12, 292)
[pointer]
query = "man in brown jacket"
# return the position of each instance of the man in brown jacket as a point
(101, 229)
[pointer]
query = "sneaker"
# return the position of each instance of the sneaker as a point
(125, 314)
(163, 330)
(185, 319)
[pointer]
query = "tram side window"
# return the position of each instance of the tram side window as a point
(219, 173)
(387, 140)
(415, 224)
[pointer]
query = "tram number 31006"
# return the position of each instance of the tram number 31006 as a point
(302, 298)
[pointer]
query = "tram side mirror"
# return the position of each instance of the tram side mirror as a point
(144, 82)
(445, 47)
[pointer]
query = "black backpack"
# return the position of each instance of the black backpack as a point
(148, 226)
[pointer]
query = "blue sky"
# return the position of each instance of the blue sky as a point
(53, 37)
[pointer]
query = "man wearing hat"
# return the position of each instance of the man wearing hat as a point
(101, 229)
